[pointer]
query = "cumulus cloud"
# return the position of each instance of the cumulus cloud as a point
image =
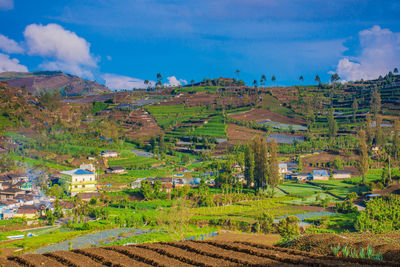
(67, 51)
(380, 54)
(6, 4)
(10, 46)
(120, 82)
(10, 64)
(173, 81)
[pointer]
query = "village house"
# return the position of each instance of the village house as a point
(28, 212)
(109, 154)
(341, 174)
(115, 170)
(10, 193)
(321, 175)
(79, 181)
(283, 169)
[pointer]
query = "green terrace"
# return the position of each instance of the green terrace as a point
(169, 116)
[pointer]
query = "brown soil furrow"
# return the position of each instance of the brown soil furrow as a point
(228, 255)
(9, 263)
(185, 256)
(110, 257)
(73, 259)
(36, 260)
(332, 259)
(148, 256)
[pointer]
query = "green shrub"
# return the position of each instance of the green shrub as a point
(289, 227)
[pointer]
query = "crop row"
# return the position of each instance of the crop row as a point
(187, 253)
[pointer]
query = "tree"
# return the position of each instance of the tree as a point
(301, 79)
(363, 164)
(273, 179)
(299, 164)
(146, 82)
(260, 162)
(395, 70)
(368, 129)
(249, 166)
(375, 103)
(237, 74)
(317, 79)
(273, 78)
(192, 82)
(355, 109)
(263, 79)
(334, 78)
(159, 79)
(396, 139)
(332, 125)
(379, 138)
(255, 83)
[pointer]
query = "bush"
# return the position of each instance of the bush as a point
(266, 222)
(288, 227)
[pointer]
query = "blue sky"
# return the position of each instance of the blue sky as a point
(121, 43)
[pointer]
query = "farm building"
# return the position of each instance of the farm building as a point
(320, 175)
(78, 181)
(302, 176)
(341, 174)
(109, 154)
(115, 170)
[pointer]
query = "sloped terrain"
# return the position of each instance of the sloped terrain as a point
(68, 85)
(188, 253)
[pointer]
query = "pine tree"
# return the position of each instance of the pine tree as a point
(260, 164)
(273, 179)
(249, 166)
(364, 158)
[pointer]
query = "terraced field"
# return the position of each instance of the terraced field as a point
(187, 253)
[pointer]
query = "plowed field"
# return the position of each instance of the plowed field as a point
(188, 253)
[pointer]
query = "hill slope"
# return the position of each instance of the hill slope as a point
(38, 81)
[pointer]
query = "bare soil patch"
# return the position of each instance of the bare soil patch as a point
(259, 114)
(266, 239)
(241, 134)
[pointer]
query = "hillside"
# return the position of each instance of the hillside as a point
(38, 81)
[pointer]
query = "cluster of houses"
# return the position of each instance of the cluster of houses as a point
(169, 183)
(289, 171)
(18, 198)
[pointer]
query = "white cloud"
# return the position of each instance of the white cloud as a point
(120, 82)
(6, 4)
(68, 68)
(380, 54)
(68, 51)
(10, 46)
(173, 81)
(109, 58)
(10, 64)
